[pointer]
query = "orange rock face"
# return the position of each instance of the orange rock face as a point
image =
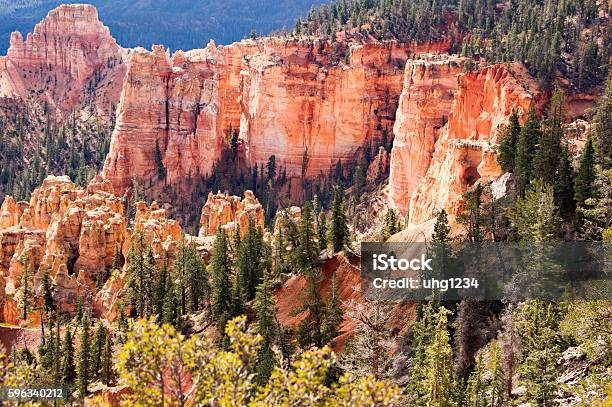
(430, 87)
(465, 152)
(69, 61)
(62, 226)
(284, 96)
(227, 212)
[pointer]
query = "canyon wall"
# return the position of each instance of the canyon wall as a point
(283, 96)
(70, 61)
(464, 153)
(428, 95)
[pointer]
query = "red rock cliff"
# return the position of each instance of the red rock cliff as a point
(465, 151)
(428, 95)
(284, 95)
(69, 61)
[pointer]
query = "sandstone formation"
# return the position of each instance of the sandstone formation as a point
(227, 212)
(430, 86)
(286, 97)
(464, 152)
(69, 61)
(68, 232)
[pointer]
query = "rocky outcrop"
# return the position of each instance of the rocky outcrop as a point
(68, 232)
(227, 212)
(69, 61)
(285, 97)
(430, 87)
(464, 152)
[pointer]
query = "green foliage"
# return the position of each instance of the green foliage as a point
(84, 372)
(595, 213)
(526, 146)
(189, 272)
(506, 157)
(423, 332)
(544, 35)
(226, 377)
(535, 217)
(589, 323)
(585, 176)
(140, 274)
(252, 260)
(220, 270)
(266, 328)
(159, 163)
(107, 373)
(440, 381)
(391, 225)
(68, 367)
(538, 329)
(25, 300)
(338, 232)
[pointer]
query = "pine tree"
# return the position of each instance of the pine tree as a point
(535, 217)
(68, 367)
(117, 263)
(220, 269)
(391, 225)
(601, 130)
(506, 156)
(159, 163)
(548, 151)
(306, 254)
(251, 261)
(47, 294)
(79, 310)
(84, 363)
(585, 176)
(140, 272)
(338, 232)
(440, 379)
(423, 332)
(538, 330)
(564, 184)
(266, 327)
(333, 312)
(97, 350)
(527, 142)
(106, 368)
(322, 230)
(25, 290)
(161, 287)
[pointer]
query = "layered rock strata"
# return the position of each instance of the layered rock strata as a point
(70, 61)
(228, 212)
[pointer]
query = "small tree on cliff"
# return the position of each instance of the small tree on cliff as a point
(159, 162)
(106, 367)
(392, 224)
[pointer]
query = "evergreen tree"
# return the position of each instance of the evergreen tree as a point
(84, 362)
(251, 261)
(601, 130)
(333, 312)
(391, 225)
(440, 379)
(220, 269)
(338, 232)
(306, 256)
(266, 327)
(528, 139)
(68, 367)
(548, 150)
(106, 368)
(47, 294)
(25, 290)
(506, 156)
(161, 287)
(159, 163)
(564, 184)
(117, 262)
(140, 272)
(535, 217)
(537, 329)
(97, 350)
(322, 230)
(585, 176)
(422, 332)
